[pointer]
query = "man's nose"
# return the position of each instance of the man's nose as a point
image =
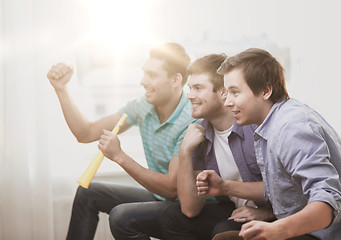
(228, 101)
(190, 95)
(143, 81)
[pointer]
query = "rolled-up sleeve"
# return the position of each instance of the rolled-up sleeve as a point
(306, 157)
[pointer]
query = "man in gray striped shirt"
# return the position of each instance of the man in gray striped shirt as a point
(162, 115)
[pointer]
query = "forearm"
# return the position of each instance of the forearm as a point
(191, 203)
(247, 190)
(76, 122)
(161, 184)
(315, 216)
(84, 130)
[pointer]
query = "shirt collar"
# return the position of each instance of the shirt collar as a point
(262, 130)
(182, 103)
(175, 115)
(237, 129)
(209, 133)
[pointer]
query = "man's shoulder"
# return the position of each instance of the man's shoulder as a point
(141, 101)
(296, 116)
(137, 103)
(293, 120)
(137, 110)
(185, 116)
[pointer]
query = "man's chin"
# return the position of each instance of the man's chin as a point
(149, 99)
(241, 122)
(197, 115)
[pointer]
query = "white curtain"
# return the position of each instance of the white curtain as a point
(26, 200)
(26, 193)
(40, 160)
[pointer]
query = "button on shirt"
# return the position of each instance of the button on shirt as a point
(299, 155)
(241, 145)
(160, 141)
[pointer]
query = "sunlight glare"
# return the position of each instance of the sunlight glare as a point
(120, 23)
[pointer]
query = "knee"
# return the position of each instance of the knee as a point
(80, 195)
(81, 192)
(115, 215)
(226, 226)
(119, 220)
(83, 196)
(230, 235)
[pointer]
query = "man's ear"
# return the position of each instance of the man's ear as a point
(177, 80)
(267, 92)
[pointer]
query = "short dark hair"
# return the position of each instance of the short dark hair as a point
(175, 58)
(260, 70)
(209, 64)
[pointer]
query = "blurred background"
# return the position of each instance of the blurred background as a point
(107, 41)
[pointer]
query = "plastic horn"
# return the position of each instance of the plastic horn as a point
(90, 172)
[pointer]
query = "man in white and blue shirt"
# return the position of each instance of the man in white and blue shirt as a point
(219, 147)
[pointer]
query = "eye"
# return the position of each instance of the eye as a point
(234, 92)
(152, 75)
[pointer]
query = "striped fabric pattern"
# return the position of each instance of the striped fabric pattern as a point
(160, 141)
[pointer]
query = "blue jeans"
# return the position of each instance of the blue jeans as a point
(134, 212)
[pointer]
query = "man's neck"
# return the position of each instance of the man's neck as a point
(164, 111)
(222, 120)
(266, 110)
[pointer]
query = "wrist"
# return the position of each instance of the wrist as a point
(226, 187)
(284, 228)
(61, 90)
(119, 157)
(185, 151)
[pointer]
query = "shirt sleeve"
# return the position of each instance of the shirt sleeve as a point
(176, 151)
(179, 140)
(305, 155)
(133, 110)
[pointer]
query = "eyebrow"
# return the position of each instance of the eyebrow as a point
(195, 85)
(232, 88)
(148, 71)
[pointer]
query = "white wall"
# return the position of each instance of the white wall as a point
(41, 160)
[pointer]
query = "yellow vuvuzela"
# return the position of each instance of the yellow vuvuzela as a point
(90, 172)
